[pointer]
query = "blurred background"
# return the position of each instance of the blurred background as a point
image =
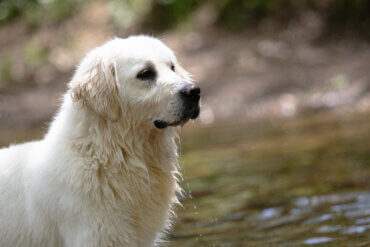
(280, 155)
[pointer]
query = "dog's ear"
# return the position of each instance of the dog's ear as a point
(94, 85)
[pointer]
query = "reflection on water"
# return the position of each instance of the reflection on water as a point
(297, 182)
(318, 240)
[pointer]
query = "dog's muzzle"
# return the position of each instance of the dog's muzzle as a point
(190, 97)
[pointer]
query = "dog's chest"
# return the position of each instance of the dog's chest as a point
(145, 196)
(135, 192)
(153, 195)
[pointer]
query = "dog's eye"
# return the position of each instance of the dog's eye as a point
(146, 74)
(173, 67)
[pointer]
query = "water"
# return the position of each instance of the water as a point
(294, 182)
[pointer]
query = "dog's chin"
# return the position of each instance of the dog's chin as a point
(193, 114)
(159, 124)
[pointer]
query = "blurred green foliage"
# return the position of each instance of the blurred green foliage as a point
(167, 14)
(239, 13)
(35, 54)
(35, 11)
(349, 16)
(338, 15)
(126, 13)
(236, 14)
(6, 69)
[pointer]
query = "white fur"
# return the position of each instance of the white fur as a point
(103, 175)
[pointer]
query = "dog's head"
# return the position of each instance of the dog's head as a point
(138, 79)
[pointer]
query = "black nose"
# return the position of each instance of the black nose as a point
(190, 92)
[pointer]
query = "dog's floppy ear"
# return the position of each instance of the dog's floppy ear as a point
(94, 85)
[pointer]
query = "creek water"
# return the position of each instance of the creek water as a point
(303, 181)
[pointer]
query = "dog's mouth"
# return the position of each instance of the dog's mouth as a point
(192, 114)
(159, 124)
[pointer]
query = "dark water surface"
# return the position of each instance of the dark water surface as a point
(296, 182)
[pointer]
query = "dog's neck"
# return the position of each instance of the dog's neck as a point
(109, 143)
(121, 166)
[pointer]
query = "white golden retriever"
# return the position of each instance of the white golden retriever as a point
(105, 173)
